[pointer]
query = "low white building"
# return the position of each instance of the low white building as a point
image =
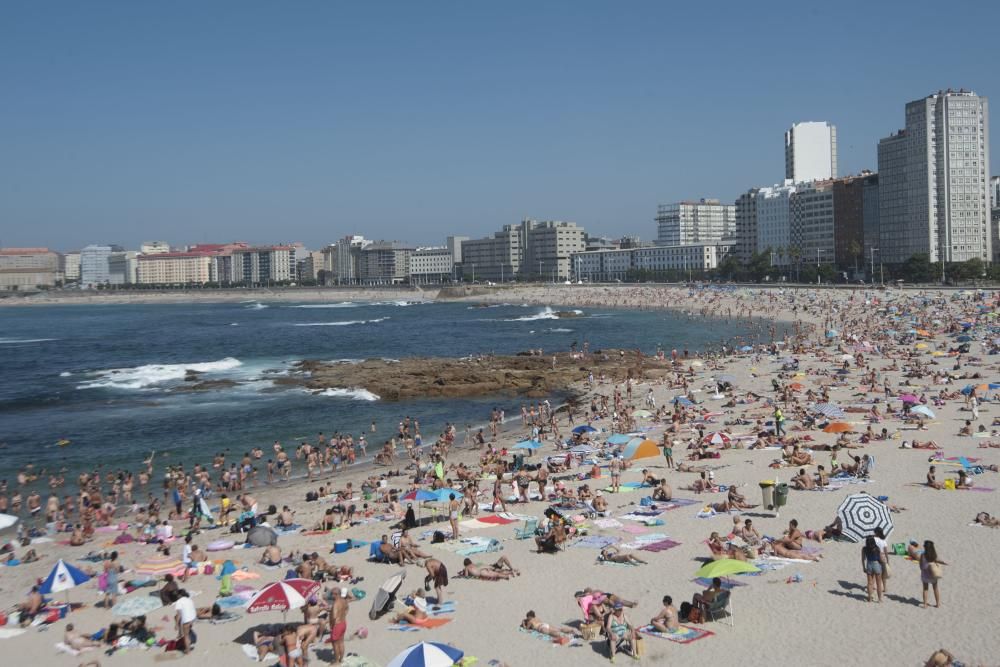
(431, 265)
(626, 264)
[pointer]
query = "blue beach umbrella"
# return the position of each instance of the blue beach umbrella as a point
(682, 400)
(923, 410)
(62, 578)
(528, 444)
(427, 654)
(420, 495)
(444, 495)
(585, 428)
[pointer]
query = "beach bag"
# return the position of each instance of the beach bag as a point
(694, 616)
(886, 572)
(935, 570)
(949, 484)
(438, 537)
(899, 549)
(209, 568)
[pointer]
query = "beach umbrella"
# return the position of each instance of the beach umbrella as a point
(920, 346)
(262, 536)
(682, 400)
(427, 654)
(828, 410)
(964, 339)
(62, 578)
(304, 587)
(420, 495)
(717, 438)
(278, 596)
(832, 333)
(909, 398)
(385, 596)
(746, 348)
(444, 495)
(642, 413)
(994, 385)
(725, 567)
(139, 605)
(796, 386)
(528, 444)
(619, 439)
(585, 428)
(846, 357)
(923, 410)
(726, 379)
(838, 427)
(7, 521)
(860, 514)
(157, 566)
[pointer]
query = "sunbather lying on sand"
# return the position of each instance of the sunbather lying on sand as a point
(613, 555)
(559, 632)
(501, 569)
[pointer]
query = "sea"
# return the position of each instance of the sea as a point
(103, 377)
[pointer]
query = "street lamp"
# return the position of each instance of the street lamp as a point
(818, 279)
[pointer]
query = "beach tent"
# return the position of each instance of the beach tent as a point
(427, 654)
(619, 439)
(640, 449)
(62, 578)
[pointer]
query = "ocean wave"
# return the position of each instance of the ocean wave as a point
(257, 306)
(353, 393)
(20, 341)
(342, 304)
(559, 330)
(342, 323)
(149, 375)
(546, 314)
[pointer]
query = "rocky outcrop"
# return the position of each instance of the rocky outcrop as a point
(527, 375)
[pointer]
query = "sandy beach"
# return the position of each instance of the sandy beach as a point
(794, 612)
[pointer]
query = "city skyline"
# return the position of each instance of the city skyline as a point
(127, 123)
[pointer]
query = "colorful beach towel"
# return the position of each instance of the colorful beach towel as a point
(685, 634)
(426, 624)
(662, 545)
(595, 542)
(564, 641)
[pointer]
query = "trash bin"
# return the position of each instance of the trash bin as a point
(767, 491)
(780, 496)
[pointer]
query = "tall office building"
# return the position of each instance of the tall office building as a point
(810, 152)
(811, 223)
(746, 225)
(692, 222)
(774, 222)
(995, 191)
(934, 181)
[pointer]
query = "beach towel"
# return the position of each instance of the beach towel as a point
(564, 641)
(635, 530)
(425, 624)
(607, 523)
(662, 545)
(497, 520)
(685, 634)
(226, 617)
(627, 487)
(594, 542)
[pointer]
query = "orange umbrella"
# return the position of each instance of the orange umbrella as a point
(924, 332)
(797, 386)
(837, 427)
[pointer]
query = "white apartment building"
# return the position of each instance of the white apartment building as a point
(174, 268)
(692, 222)
(384, 262)
(811, 223)
(774, 221)
(602, 266)
(549, 246)
(94, 265)
(934, 187)
(430, 265)
(454, 245)
(28, 268)
(995, 192)
(71, 266)
(612, 265)
(810, 152)
(261, 265)
(154, 247)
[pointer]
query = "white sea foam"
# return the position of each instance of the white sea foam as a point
(20, 341)
(342, 323)
(546, 314)
(257, 306)
(65, 374)
(354, 393)
(149, 375)
(342, 304)
(559, 330)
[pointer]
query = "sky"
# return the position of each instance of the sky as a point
(278, 122)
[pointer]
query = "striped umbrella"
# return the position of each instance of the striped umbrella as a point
(157, 566)
(427, 654)
(860, 514)
(278, 596)
(717, 438)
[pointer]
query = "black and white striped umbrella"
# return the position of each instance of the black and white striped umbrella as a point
(860, 514)
(829, 410)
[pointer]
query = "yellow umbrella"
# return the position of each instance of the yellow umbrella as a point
(921, 346)
(725, 567)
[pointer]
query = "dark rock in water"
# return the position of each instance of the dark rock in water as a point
(525, 374)
(206, 385)
(191, 375)
(564, 314)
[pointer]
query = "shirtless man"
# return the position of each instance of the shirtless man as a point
(77, 640)
(501, 569)
(803, 481)
(663, 492)
(30, 607)
(614, 555)
(389, 551)
(667, 620)
(600, 503)
(408, 550)
(271, 556)
(338, 627)
(792, 537)
(437, 574)
(615, 467)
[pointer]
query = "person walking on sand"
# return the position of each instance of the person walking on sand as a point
(930, 572)
(453, 515)
(615, 468)
(873, 564)
(779, 422)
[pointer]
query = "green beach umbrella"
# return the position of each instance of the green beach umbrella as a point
(725, 567)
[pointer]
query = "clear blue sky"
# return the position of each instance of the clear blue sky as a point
(273, 121)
